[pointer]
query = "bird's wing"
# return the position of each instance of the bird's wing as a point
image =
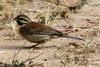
(35, 28)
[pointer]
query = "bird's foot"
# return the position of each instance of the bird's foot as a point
(33, 46)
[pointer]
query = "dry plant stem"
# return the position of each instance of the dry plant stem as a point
(30, 54)
(18, 51)
(32, 58)
(65, 62)
(47, 16)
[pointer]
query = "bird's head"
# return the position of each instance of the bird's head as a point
(22, 19)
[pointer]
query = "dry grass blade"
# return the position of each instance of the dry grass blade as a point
(47, 16)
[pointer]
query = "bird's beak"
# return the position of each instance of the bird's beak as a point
(15, 18)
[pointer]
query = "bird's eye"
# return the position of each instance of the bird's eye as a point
(21, 18)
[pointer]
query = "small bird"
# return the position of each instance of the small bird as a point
(38, 33)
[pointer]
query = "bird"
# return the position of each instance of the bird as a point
(38, 33)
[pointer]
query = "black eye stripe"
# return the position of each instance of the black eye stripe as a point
(23, 19)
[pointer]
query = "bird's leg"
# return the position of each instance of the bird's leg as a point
(33, 46)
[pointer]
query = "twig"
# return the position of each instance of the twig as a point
(32, 58)
(18, 51)
(30, 54)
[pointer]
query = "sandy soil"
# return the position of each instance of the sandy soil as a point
(61, 52)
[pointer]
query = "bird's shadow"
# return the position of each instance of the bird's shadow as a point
(26, 48)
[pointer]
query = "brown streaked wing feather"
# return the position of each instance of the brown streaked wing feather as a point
(35, 28)
(34, 24)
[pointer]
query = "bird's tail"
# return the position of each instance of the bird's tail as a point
(73, 37)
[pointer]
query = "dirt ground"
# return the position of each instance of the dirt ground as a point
(60, 52)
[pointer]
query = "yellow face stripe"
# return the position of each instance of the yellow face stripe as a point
(25, 18)
(22, 21)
